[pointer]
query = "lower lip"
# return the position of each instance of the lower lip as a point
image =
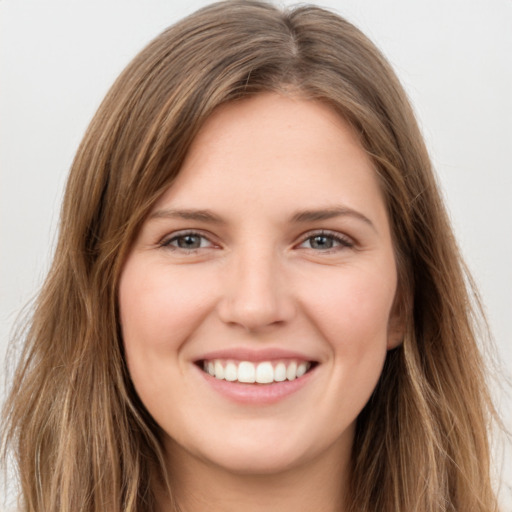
(257, 394)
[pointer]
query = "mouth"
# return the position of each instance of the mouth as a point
(261, 372)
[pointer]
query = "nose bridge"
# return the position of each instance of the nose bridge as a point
(256, 294)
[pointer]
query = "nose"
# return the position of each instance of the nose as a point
(256, 294)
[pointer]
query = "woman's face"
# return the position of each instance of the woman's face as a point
(269, 256)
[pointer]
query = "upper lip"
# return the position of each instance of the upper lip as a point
(254, 355)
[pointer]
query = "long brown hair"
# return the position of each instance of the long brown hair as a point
(82, 439)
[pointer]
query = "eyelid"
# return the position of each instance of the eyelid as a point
(343, 240)
(166, 240)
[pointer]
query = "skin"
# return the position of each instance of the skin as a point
(259, 278)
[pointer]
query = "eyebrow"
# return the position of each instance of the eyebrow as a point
(300, 217)
(188, 214)
(329, 213)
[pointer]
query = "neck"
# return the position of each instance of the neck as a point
(318, 485)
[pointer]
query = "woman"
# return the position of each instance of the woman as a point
(256, 298)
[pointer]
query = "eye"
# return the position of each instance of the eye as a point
(188, 241)
(326, 241)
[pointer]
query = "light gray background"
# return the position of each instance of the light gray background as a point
(58, 58)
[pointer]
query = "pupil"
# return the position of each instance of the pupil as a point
(189, 242)
(321, 242)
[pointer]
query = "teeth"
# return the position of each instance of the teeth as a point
(301, 369)
(291, 371)
(263, 373)
(280, 372)
(231, 372)
(246, 372)
(219, 370)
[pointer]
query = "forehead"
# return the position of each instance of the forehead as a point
(276, 125)
(276, 153)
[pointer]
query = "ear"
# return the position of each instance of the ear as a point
(396, 331)
(396, 323)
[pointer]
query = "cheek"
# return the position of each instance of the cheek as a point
(160, 308)
(352, 308)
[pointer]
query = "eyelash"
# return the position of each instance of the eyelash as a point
(343, 242)
(167, 243)
(339, 241)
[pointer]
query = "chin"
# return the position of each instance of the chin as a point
(253, 459)
(261, 449)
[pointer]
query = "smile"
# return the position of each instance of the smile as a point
(263, 372)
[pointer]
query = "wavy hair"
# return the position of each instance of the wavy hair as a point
(81, 437)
